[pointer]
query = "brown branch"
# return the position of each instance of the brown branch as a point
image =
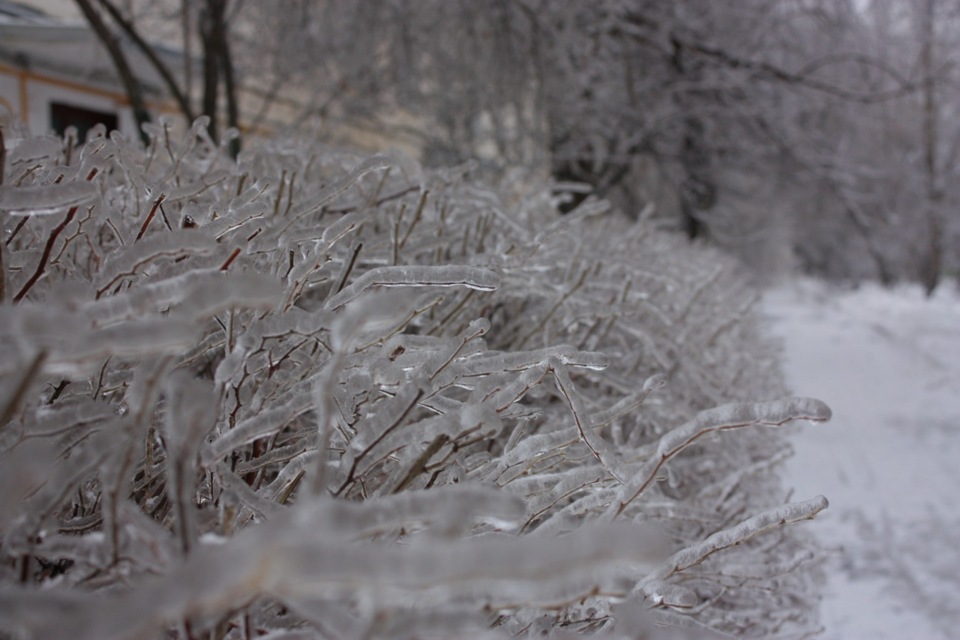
(45, 256)
(229, 261)
(153, 212)
(351, 474)
(383, 200)
(229, 85)
(48, 247)
(213, 40)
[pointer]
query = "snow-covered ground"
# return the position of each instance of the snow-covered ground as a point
(888, 364)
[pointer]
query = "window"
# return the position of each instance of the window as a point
(67, 115)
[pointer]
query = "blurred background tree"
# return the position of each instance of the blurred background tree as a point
(798, 133)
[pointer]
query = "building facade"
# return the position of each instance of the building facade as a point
(55, 74)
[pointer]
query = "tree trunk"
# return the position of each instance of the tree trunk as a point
(217, 65)
(229, 86)
(119, 58)
(211, 70)
(179, 95)
(3, 272)
(698, 191)
(931, 262)
(187, 33)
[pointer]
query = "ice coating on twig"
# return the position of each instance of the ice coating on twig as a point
(749, 528)
(729, 416)
(418, 276)
(45, 199)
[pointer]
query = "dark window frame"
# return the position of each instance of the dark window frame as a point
(65, 114)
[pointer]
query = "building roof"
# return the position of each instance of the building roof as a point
(17, 12)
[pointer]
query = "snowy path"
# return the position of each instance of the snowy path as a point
(888, 364)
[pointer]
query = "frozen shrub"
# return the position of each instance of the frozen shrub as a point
(311, 394)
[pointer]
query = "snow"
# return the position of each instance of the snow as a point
(888, 364)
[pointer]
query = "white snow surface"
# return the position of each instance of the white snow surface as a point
(887, 361)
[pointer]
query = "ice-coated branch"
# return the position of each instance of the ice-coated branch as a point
(417, 276)
(630, 402)
(71, 343)
(45, 199)
(252, 428)
(485, 568)
(311, 551)
(197, 294)
(327, 194)
(132, 259)
(726, 417)
(599, 447)
(498, 362)
(437, 509)
(189, 416)
(287, 561)
(749, 528)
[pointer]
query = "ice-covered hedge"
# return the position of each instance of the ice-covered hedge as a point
(313, 394)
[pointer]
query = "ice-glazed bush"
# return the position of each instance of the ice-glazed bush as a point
(312, 394)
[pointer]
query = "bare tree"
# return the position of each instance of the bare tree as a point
(129, 80)
(738, 122)
(217, 63)
(889, 168)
